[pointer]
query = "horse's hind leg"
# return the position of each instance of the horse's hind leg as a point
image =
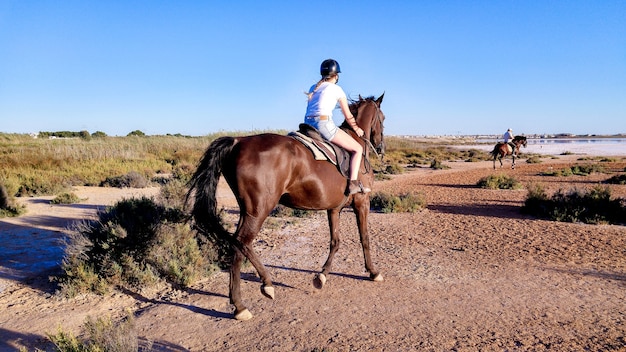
(241, 312)
(248, 228)
(333, 222)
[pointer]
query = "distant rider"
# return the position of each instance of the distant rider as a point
(508, 139)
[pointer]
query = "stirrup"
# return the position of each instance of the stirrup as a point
(355, 186)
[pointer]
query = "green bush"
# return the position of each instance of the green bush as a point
(499, 181)
(283, 211)
(437, 165)
(132, 179)
(381, 176)
(394, 169)
(134, 243)
(533, 160)
(593, 207)
(179, 257)
(103, 335)
(405, 151)
(403, 203)
(8, 206)
(579, 170)
(66, 198)
(173, 193)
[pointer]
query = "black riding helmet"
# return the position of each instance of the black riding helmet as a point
(329, 67)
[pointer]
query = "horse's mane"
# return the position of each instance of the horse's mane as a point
(354, 104)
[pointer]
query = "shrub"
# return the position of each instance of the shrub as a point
(579, 170)
(66, 198)
(403, 203)
(137, 133)
(394, 169)
(499, 181)
(103, 335)
(8, 207)
(381, 176)
(533, 160)
(173, 194)
(592, 207)
(39, 185)
(475, 155)
(179, 258)
(437, 165)
(5, 201)
(132, 179)
(283, 211)
(118, 248)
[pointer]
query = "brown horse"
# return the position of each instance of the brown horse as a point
(268, 169)
(503, 149)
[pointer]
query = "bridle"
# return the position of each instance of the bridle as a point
(377, 117)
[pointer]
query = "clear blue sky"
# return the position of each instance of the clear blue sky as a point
(197, 67)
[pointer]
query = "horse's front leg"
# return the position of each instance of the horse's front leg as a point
(361, 208)
(513, 164)
(333, 224)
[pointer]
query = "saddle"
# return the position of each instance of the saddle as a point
(322, 149)
(509, 147)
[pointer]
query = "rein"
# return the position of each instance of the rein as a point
(368, 165)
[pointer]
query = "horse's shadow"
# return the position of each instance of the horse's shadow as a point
(604, 275)
(251, 277)
(195, 309)
(348, 276)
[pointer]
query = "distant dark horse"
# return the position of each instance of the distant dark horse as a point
(503, 149)
(268, 169)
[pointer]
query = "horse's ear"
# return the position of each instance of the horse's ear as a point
(360, 97)
(380, 99)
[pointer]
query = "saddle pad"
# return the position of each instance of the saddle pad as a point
(508, 147)
(319, 150)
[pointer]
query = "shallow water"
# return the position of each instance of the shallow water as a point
(591, 146)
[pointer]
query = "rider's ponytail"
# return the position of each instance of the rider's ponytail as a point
(324, 79)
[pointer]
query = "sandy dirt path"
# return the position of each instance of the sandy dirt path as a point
(468, 273)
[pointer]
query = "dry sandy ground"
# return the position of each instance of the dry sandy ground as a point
(469, 273)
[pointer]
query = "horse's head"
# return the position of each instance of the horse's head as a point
(370, 118)
(520, 140)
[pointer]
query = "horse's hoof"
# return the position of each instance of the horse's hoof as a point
(243, 315)
(377, 278)
(319, 281)
(267, 291)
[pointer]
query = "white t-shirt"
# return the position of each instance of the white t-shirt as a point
(324, 99)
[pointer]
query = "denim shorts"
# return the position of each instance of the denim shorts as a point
(327, 128)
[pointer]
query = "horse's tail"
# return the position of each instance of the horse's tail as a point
(203, 186)
(496, 150)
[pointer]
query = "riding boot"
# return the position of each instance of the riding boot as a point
(513, 147)
(355, 186)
